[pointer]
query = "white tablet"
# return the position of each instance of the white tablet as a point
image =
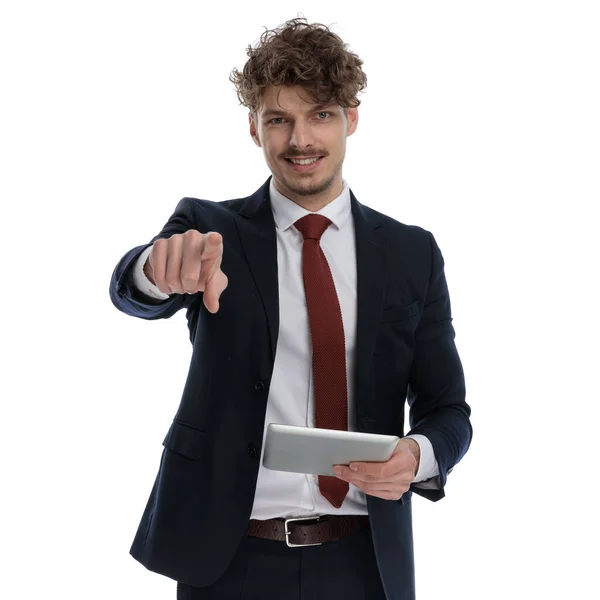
(315, 451)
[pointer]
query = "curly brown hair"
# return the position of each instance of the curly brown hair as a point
(297, 53)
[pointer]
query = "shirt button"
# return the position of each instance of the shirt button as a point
(259, 386)
(252, 450)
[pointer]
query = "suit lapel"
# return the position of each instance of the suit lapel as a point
(370, 288)
(259, 241)
(258, 238)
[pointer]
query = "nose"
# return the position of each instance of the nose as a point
(300, 137)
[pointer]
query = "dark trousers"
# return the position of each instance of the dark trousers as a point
(270, 570)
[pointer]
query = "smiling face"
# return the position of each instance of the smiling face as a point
(289, 125)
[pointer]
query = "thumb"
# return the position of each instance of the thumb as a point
(214, 237)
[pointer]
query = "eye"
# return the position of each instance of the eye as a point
(322, 112)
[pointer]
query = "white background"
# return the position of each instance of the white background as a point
(480, 123)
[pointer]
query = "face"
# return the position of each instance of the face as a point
(289, 125)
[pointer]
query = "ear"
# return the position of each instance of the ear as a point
(253, 130)
(352, 120)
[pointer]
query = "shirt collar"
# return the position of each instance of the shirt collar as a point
(286, 212)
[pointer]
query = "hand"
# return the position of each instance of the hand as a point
(187, 263)
(389, 479)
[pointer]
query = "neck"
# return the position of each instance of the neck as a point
(312, 202)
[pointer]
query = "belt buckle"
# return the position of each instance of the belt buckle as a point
(288, 533)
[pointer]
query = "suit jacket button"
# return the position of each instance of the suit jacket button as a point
(252, 450)
(259, 386)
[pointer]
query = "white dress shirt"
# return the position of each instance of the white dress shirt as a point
(291, 394)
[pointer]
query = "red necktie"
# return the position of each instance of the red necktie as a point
(328, 345)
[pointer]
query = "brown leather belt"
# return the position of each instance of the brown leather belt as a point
(308, 531)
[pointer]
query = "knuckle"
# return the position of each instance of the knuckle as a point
(193, 238)
(188, 277)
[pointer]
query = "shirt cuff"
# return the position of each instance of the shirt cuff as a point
(428, 466)
(141, 282)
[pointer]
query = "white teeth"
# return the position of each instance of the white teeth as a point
(307, 161)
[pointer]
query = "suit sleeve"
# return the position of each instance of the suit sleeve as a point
(127, 297)
(436, 387)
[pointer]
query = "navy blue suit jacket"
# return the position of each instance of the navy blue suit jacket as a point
(202, 497)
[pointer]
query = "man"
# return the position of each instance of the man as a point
(308, 308)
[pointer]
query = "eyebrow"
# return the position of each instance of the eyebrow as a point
(272, 111)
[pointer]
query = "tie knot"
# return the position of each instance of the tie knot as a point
(312, 226)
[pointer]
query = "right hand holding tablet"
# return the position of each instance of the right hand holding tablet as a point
(187, 263)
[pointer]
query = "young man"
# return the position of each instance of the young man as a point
(308, 308)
